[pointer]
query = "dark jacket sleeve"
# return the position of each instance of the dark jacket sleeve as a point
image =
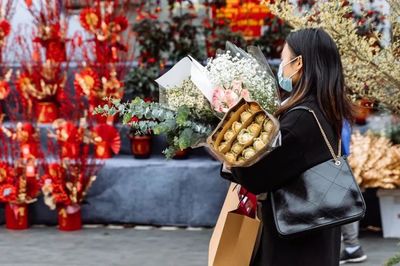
(279, 167)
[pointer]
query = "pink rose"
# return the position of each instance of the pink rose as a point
(217, 100)
(245, 94)
(231, 98)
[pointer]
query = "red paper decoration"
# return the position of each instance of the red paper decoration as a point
(87, 82)
(90, 19)
(107, 140)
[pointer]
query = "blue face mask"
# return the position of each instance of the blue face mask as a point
(284, 82)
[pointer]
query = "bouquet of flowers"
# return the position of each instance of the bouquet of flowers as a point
(194, 99)
(236, 74)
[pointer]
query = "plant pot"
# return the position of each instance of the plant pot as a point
(69, 221)
(389, 202)
(141, 146)
(16, 216)
(182, 154)
(46, 112)
(363, 110)
(103, 150)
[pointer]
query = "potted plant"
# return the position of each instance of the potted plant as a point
(19, 157)
(140, 83)
(65, 184)
(18, 188)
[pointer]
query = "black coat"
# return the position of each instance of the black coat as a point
(302, 148)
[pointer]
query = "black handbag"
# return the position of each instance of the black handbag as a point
(324, 196)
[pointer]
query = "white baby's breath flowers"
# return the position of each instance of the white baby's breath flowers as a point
(187, 95)
(225, 69)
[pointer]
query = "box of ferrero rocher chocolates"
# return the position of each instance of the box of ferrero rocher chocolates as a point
(244, 136)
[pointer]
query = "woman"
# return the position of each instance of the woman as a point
(311, 72)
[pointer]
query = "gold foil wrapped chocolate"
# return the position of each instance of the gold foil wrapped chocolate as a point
(237, 148)
(258, 144)
(222, 146)
(254, 128)
(245, 116)
(254, 107)
(229, 135)
(260, 118)
(268, 126)
(244, 135)
(264, 137)
(230, 157)
(236, 126)
(249, 152)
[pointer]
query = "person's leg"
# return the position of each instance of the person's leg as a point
(352, 251)
(350, 235)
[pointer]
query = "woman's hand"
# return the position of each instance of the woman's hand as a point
(226, 168)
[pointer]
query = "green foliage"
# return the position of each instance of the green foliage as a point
(139, 82)
(182, 129)
(183, 36)
(152, 39)
(395, 260)
(273, 38)
(217, 34)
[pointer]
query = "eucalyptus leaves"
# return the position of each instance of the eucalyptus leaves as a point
(181, 127)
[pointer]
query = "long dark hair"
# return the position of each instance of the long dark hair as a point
(322, 76)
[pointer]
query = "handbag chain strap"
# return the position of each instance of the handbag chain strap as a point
(335, 157)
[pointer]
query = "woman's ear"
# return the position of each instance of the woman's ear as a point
(299, 63)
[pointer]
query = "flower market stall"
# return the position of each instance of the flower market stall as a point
(142, 63)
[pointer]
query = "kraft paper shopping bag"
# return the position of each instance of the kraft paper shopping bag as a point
(234, 237)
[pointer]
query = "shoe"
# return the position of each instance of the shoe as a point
(356, 256)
